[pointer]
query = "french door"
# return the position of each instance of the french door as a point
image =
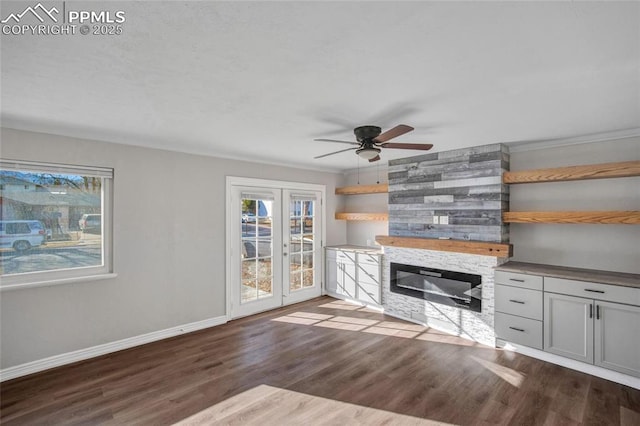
(274, 241)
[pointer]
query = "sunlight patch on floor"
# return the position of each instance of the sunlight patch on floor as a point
(392, 332)
(341, 305)
(507, 374)
(341, 325)
(269, 405)
(352, 320)
(311, 315)
(367, 325)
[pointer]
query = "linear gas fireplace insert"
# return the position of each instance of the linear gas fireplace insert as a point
(438, 285)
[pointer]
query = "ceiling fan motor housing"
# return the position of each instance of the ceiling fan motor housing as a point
(366, 133)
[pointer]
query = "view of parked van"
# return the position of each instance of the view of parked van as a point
(21, 235)
(91, 223)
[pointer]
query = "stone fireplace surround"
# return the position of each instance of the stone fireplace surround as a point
(476, 326)
(463, 187)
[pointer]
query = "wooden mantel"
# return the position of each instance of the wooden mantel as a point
(482, 248)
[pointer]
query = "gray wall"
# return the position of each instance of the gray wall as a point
(608, 247)
(364, 232)
(169, 247)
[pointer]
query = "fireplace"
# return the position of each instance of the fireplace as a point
(456, 289)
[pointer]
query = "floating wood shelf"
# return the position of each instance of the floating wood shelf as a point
(363, 216)
(603, 217)
(561, 174)
(482, 248)
(363, 189)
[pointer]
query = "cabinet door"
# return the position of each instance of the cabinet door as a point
(346, 274)
(617, 337)
(369, 281)
(568, 326)
(331, 274)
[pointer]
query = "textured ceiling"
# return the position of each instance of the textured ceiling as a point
(261, 80)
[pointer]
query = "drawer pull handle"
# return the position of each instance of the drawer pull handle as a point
(516, 280)
(517, 329)
(594, 291)
(516, 301)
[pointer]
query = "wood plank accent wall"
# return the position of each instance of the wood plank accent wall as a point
(455, 194)
(560, 174)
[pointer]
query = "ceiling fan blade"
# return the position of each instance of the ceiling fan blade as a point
(376, 158)
(334, 140)
(400, 129)
(420, 146)
(331, 153)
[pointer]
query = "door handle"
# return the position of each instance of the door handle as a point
(597, 312)
(590, 311)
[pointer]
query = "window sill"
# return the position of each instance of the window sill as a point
(47, 283)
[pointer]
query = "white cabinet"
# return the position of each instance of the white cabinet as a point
(589, 321)
(331, 274)
(600, 332)
(568, 326)
(354, 275)
(518, 301)
(617, 337)
(346, 279)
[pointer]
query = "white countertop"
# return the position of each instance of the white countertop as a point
(360, 249)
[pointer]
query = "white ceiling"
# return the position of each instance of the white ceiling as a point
(261, 80)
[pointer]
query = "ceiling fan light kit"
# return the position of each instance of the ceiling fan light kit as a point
(371, 141)
(368, 152)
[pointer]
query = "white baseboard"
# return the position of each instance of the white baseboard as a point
(594, 370)
(82, 354)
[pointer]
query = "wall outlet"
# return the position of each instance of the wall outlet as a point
(436, 220)
(369, 243)
(444, 220)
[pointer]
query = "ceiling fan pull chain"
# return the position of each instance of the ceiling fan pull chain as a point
(378, 171)
(358, 170)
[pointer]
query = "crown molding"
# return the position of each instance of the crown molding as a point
(575, 140)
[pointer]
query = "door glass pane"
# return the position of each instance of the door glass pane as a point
(249, 288)
(257, 249)
(265, 282)
(301, 244)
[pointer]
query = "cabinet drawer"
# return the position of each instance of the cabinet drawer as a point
(519, 330)
(368, 273)
(369, 293)
(519, 301)
(533, 282)
(345, 256)
(610, 293)
(372, 259)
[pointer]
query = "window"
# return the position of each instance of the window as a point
(54, 223)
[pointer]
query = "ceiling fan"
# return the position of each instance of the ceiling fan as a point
(371, 141)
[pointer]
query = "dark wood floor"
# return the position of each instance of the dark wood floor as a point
(317, 362)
